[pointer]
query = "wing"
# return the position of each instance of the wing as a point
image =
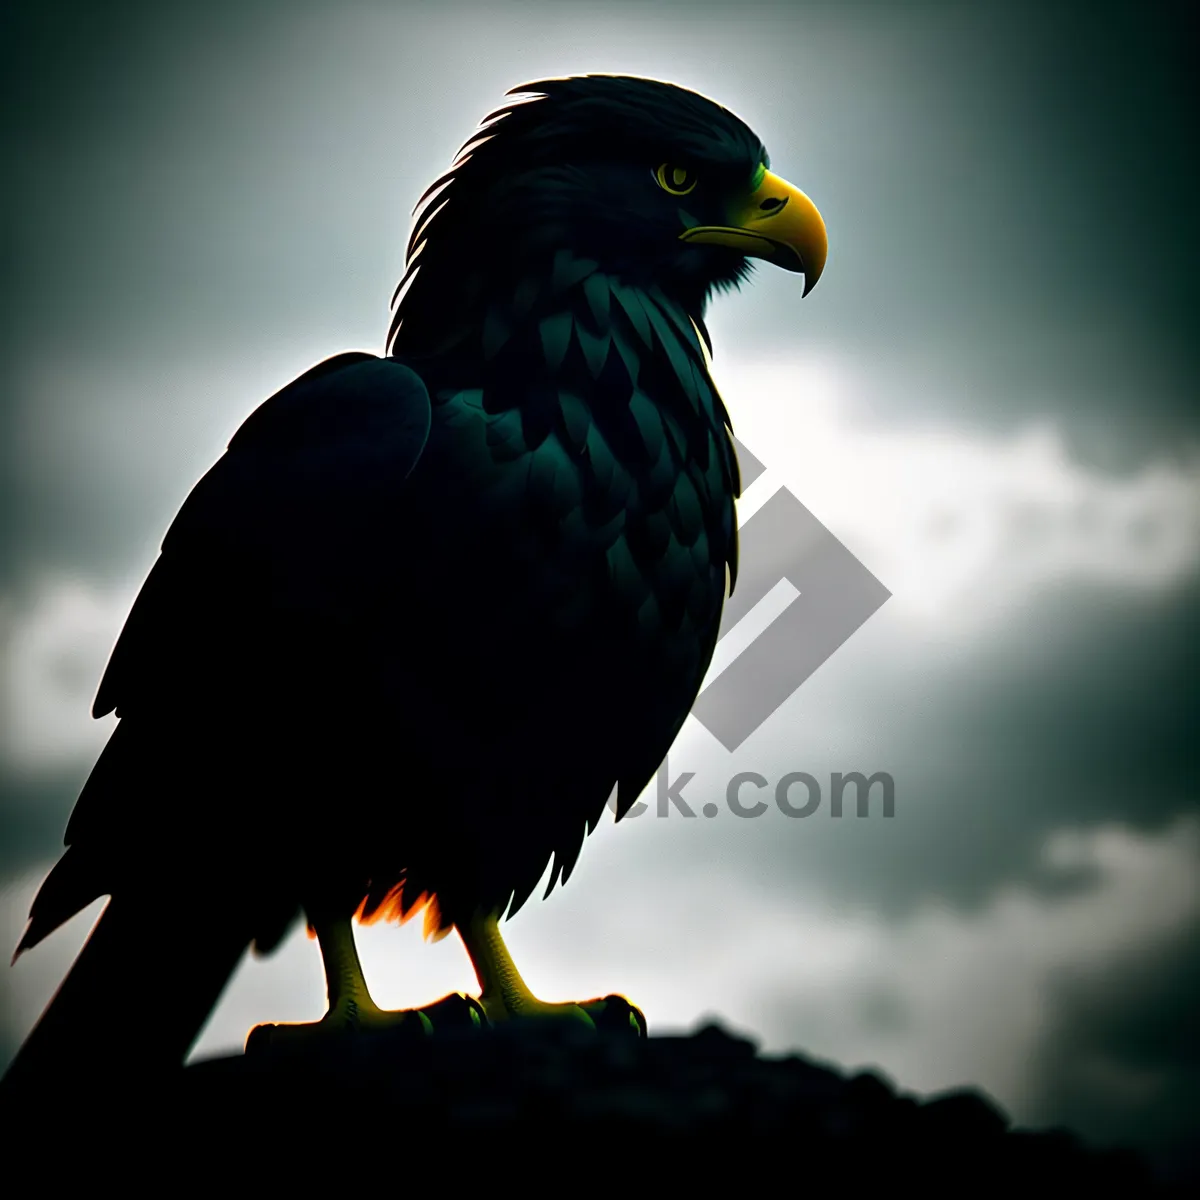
(275, 531)
(284, 535)
(281, 540)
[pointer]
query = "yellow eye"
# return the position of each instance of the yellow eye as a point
(676, 180)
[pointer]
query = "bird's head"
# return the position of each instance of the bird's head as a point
(654, 183)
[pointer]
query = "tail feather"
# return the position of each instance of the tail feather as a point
(69, 888)
(133, 1003)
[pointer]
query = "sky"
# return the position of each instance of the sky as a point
(990, 400)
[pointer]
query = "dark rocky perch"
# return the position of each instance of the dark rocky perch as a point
(695, 1104)
(696, 1110)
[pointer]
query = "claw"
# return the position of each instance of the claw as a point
(615, 1013)
(456, 1011)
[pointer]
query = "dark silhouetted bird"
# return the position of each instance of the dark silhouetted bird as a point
(430, 611)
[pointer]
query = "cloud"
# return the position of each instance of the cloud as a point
(54, 643)
(1123, 1059)
(963, 526)
(28, 986)
(53, 649)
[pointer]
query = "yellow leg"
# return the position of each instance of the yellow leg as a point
(351, 1008)
(346, 992)
(505, 996)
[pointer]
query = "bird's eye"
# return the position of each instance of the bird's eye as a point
(676, 180)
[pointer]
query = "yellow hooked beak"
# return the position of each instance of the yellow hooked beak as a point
(776, 222)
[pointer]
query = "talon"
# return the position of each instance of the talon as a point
(505, 996)
(456, 1011)
(617, 1014)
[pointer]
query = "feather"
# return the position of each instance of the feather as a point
(686, 328)
(658, 483)
(629, 301)
(649, 536)
(595, 348)
(625, 578)
(686, 511)
(596, 289)
(576, 421)
(555, 333)
(524, 297)
(505, 436)
(681, 364)
(676, 435)
(649, 423)
(628, 357)
(539, 414)
(600, 459)
(569, 270)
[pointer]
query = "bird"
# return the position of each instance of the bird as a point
(433, 611)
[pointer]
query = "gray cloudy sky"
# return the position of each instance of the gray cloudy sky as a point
(990, 399)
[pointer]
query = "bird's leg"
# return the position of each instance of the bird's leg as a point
(505, 995)
(350, 1002)
(351, 1007)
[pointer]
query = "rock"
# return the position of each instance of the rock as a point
(704, 1108)
(962, 1114)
